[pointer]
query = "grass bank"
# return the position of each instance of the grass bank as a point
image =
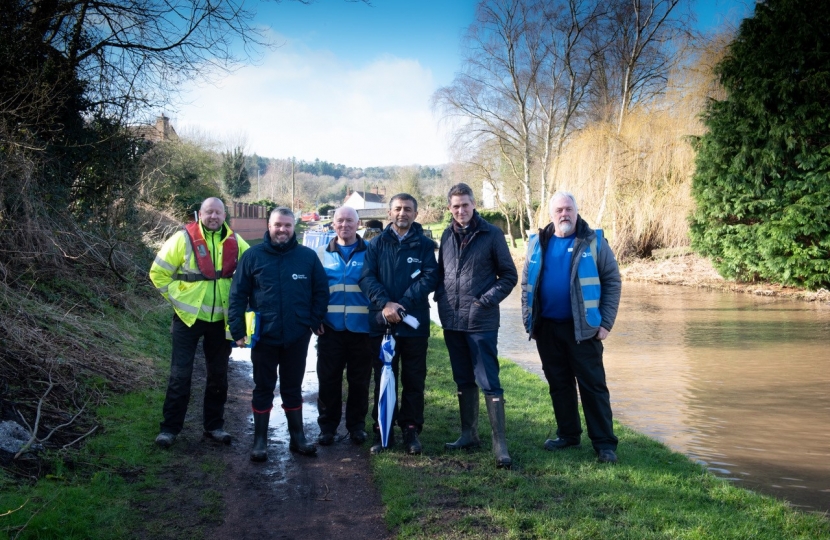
(652, 493)
(95, 490)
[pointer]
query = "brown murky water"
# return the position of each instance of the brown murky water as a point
(736, 382)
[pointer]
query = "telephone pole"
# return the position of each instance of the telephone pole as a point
(292, 184)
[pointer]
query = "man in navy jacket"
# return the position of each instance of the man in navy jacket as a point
(399, 272)
(285, 284)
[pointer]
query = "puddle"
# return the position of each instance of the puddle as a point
(280, 459)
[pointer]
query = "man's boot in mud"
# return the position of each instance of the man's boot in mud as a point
(468, 407)
(297, 433)
(495, 410)
(259, 451)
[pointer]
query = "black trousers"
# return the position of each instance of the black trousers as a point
(410, 368)
(217, 350)
(290, 360)
(338, 351)
(567, 363)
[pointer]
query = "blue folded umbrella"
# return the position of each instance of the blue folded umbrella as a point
(386, 401)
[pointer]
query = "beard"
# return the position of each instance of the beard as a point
(280, 241)
(566, 227)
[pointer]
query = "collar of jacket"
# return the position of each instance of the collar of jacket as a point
(332, 247)
(477, 223)
(390, 236)
(583, 231)
(291, 244)
(206, 233)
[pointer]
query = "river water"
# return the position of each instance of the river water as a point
(739, 383)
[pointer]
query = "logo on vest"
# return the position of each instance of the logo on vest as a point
(298, 276)
(586, 254)
(411, 260)
(356, 263)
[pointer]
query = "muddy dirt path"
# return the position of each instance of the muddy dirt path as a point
(289, 496)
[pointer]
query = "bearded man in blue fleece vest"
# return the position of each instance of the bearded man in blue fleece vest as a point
(570, 294)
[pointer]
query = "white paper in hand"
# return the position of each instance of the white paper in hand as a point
(411, 321)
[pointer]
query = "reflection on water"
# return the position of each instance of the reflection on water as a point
(738, 383)
(278, 462)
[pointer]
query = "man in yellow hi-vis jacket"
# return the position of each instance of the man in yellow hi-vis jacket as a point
(193, 272)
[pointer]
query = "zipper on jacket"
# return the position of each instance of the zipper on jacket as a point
(213, 252)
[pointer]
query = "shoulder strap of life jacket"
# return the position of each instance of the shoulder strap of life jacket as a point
(207, 272)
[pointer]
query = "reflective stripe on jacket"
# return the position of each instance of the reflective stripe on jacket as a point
(348, 307)
(192, 300)
(595, 301)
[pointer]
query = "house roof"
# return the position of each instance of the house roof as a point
(162, 130)
(368, 197)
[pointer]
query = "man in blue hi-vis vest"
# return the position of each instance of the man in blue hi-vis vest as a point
(570, 294)
(343, 342)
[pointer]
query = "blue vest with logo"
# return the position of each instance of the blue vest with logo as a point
(348, 307)
(586, 271)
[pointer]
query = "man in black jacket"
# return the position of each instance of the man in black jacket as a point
(399, 272)
(285, 284)
(476, 273)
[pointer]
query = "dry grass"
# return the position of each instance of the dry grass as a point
(643, 172)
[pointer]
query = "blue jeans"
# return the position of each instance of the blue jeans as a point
(473, 357)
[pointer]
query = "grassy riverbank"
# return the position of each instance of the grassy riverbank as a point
(118, 485)
(92, 490)
(652, 493)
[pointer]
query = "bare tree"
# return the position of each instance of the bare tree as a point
(492, 98)
(565, 76)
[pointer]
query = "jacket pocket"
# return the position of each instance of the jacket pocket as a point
(302, 317)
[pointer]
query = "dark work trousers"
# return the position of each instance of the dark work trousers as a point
(410, 368)
(563, 360)
(474, 361)
(217, 349)
(290, 359)
(338, 351)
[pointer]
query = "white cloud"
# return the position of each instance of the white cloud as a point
(310, 104)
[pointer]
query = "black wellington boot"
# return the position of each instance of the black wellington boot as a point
(259, 451)
(296, 432)
(468, 407)
(495, 409)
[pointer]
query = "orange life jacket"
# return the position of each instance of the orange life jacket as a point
(230, 254)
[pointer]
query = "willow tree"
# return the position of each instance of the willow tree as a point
(761, 185)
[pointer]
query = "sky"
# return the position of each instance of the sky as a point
(351, 83)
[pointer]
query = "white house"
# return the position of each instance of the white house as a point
(361, 200)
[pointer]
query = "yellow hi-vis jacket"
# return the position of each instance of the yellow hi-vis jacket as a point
(192, 300)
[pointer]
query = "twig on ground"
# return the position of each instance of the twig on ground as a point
(33, 431)
(88, 433)
(4, 514)
(36, 512)
(326, 496)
